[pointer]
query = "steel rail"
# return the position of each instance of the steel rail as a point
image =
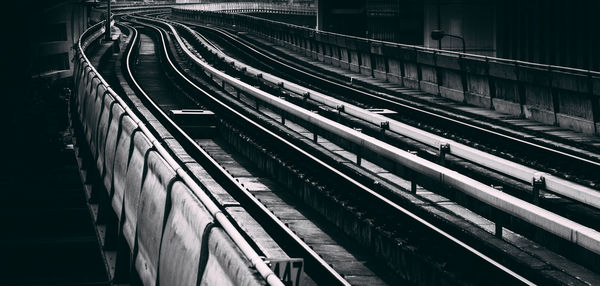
(518, 171)
(373, 194)
(569, 230)
(256, 261)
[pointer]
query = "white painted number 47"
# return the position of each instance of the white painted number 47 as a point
(288, 270)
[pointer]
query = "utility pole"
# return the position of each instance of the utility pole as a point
(107, 31)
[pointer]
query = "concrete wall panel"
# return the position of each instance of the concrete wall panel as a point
(151, 216)
(354, 61)
(426, 58)
(225, 265)
(568, 81)
(429, 74)
(448, 62)
(478, 91)
(366, 65)
(380, 70)
(572, 104)
(473, 66)
(376, 48)
(507, 107)
(183, 238)
(534, 76)
(452, 79)
(344, 58)
(539, 96)
(506, 90)
(452, 94)
(133, 185)
(539, 104)
(411, 75)
(394, 74)
(502, 70)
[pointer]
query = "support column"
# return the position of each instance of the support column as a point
(319, 4)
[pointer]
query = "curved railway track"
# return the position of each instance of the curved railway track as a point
(568, 161)
(317, 268)
(375, 199)
(563, 187)
(282, 128)
(237, 65)
(579, 164)
(574, 154)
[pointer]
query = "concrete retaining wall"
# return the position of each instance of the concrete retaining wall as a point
(554, 95)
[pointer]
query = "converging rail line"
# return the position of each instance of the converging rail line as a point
(277, 165)
(397, 208)
(213, 74)
(373, 194)
(574, 232)
(297, 71)
(526, 174)
(315, 263)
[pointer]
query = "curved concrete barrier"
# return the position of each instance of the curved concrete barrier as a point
(92, 109)
(116, 183)
(101, 95)
(142, 178)
(103, 127)
(86, 86)
(79, 88)
(184, 239)
(133, 185)
(225, 265)
(83, 91)
(110, 146)
(151, 213)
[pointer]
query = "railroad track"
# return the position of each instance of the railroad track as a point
(481, 160)
(573, 162)
(427, 226)
(315, 265)
(565, 161)
(578, 160)
(516, 178)
(184, 45)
